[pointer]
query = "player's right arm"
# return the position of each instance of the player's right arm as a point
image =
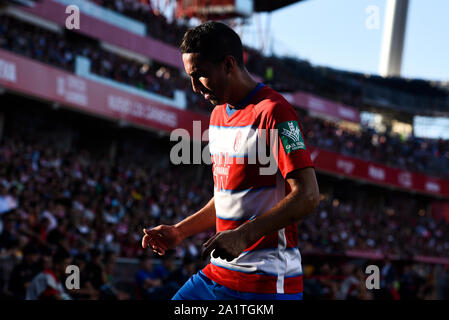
(165, 237)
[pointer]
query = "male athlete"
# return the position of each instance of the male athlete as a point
(254, 253)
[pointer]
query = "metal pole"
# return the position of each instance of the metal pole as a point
(393, 38)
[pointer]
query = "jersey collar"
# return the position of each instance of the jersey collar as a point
(242, 104)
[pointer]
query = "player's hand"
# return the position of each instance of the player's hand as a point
(228, 245)
(161, 238)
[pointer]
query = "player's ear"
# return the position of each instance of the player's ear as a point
(229, 64)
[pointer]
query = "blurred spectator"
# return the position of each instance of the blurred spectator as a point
(441, 282)
(86, 290)
(148, 284)
(96, 276)
(110, 282)
(166, 271)
(388, 274)
(353, 285)
(49, 284)
(183, 272)
(7, 201)
(24, 272)
(9, 238)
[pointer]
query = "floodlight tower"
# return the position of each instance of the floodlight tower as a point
(393, 38)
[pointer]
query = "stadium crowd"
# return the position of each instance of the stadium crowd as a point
(157, 24)
(346, 280)
(75, 204)
(410, 153)
(68, 201)
(61, 51)
(342, 225)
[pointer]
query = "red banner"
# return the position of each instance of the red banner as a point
(436, 260)
(440, 210)
(37, 79)
(339, 164)
(316, 104)
(374, 255)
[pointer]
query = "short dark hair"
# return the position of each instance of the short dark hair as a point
(60, 255)
(30, 249)
(144, 258)
(95, 253)
(213, 41)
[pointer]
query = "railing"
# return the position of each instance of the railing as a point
(391, 98)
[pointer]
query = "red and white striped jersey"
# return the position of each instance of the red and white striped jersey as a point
(242, 192)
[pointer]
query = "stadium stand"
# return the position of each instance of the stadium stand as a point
(61, 51)
(422, 155)
(89, 185)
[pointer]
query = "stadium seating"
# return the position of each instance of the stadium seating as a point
(85, 184)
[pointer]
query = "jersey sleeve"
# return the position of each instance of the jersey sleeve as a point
(290, 149)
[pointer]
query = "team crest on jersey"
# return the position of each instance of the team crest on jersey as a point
(291, 136)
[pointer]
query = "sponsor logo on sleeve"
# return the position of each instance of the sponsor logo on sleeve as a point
(291, 136)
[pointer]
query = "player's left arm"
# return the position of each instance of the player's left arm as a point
(302, 200)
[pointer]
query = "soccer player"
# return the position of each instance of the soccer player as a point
(254, 253)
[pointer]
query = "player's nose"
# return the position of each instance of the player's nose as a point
(196, 86)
